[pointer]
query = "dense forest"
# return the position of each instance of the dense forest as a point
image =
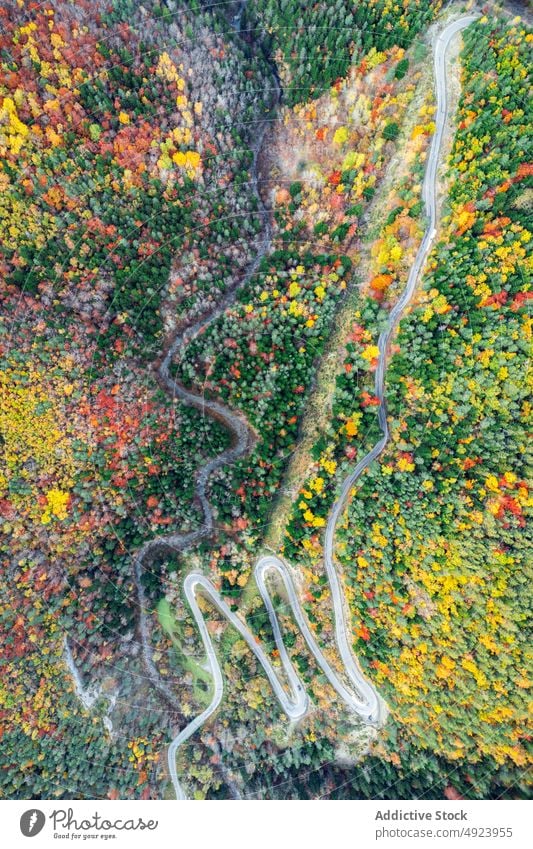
(108, 160)
(315, 45)
(437, 589)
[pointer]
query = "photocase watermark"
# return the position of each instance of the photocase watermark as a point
(67, 826)
(32, 822)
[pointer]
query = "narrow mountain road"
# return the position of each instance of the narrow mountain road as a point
(357, 693)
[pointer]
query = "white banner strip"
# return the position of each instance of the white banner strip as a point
(260, 825)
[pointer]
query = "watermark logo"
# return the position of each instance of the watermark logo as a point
(32, 822)
(65, 824)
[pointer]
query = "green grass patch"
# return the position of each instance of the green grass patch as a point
(202, 680)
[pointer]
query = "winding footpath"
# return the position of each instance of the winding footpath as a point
(354, 690)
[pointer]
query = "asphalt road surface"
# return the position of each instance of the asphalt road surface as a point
(353, 689)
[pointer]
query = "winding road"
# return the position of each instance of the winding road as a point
(354, 690)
